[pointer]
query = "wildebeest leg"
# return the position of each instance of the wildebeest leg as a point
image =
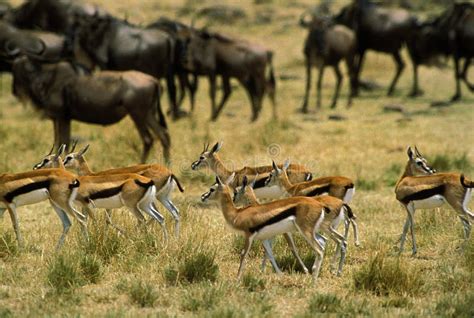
(182, 79)
(319, 85)
(193, 86)
(338, 74)
(212, 94)
(62, 132)
(350, 63)
(304, 107)
(415, 91)
(400, 67)
(251, 89)
(358, 69)
(467, 63)
(171, 85)
(457, 95)
(226, 93)
(145, 135)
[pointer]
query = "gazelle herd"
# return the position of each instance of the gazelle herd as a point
(294, 201)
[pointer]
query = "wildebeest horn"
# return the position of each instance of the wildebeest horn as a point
(304, 22)
(11, 50)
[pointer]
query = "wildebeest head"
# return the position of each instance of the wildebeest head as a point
(199, 51)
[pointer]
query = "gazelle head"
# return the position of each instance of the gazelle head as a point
(217, 189)
(417, 164)
(277, 175)
(207, 157)
(51, 160)
(74, 159)
(244, 195)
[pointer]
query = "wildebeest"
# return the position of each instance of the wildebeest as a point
(115, 44)
(104, 98)
(212, 54)
(327, 44)
(377, 28)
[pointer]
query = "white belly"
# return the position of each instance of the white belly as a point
(32, 197)
(429, 203)
(113, 202)
(284, 226)
(272, 192)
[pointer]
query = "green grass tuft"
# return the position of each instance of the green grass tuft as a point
(63, 274)
(252, 283)
(142, 294)
(193, 268)
(91, 269)
(8, 246)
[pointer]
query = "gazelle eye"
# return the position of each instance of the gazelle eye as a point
(419, 163)
(202, 158)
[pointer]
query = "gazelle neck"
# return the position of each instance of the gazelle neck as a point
(217, 166)
(59, 164)
(83, 169)
(227, 206)
(285, 182)
(408, 172)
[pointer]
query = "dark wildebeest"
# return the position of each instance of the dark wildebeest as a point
(104, 98)
(327, 44)
(380, 29)
(178, 31)
(115, 44)
(212, 54)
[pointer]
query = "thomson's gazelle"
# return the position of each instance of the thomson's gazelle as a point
(431, 191)
(245, 196)
(338, 187)
(210, 158)
(265, 221)
(58, 186)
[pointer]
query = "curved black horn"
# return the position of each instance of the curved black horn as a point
(11, 50)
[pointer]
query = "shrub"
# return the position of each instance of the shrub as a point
(63, 274)
(324, 303)
(193, 268)
(252, 283)
(384, 276)
(392, 174)
(8, 246)
(143, 294)
(205, 300)
(444, 163)
(103, 244)
(91, 269)
(458, 306)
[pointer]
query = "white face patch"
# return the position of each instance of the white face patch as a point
(283, 226)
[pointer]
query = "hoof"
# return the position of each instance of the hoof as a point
(455, 98)
(417, 93)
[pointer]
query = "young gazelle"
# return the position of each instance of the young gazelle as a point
(338, 187)
(265, 221)
(245, 196)
(210, 158)
(131, 190)
(337, 211)
(431, 191)
(58, 186)
(163, 179)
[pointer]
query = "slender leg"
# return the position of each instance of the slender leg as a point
(158, 216)
(358, 70)
(457, 95)
(415, 91)
(304, 107)
(212, 94)
(146, 137)
(341, 246)
(411, 214)
(467, 63)
(267, 245)
(466, 226)
(245, 251)
(319, 85)
(347, 224)
(108, 217)
(174, 213)
(356, 232)
(227, 90)
(66, 222)
(400, 67)
(405, 231)
(350, 63)
(313, 241)
(14, 217)
(337, 72)
(193, 86)
(294, 250)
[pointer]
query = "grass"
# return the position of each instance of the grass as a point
(121, 275)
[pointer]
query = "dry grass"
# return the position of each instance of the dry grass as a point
(114, 275)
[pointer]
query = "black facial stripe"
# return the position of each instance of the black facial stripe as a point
(423, 194)
(107, 193)
(277, 218)
(26, 189)
(318, 191)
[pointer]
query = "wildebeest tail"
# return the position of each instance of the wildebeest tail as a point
(145, 185)
(466, 183)
(350, 214)
(180, 187)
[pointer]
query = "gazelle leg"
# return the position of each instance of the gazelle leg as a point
(347, 223)
(66, 222)
(313, 241)
(405, 231)
(174, 213)
(108, 217)
(267, 246)
(341, 248)
(466, 225)
(245, 251)
(14, 217)
(294, 250)
(411, 215)
(356, 232)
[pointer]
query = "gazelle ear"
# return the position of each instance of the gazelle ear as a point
(286, 165)
(410, 152)
(245, 182)
(252, 185)
(83, 150)
(217, 147)
(230, 179)
(275, 167)
(417, 152)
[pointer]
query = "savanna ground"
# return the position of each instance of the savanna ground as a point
(195, 275)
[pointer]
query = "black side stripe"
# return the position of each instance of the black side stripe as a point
(26, 189)
(318, 191)
(260, 183)
(143, 184)
(423, 194)
(277, 218)
(107, 193)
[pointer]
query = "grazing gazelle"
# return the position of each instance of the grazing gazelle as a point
(338, 210)
(163, 178)
(341, 188)
(210, 158)
(431, 191)
(245, 196)
(56, 185)
(265, 221)
(130, 190)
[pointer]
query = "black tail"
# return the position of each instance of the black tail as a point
(180, 187)
(327, 210)
(350, 214)
(145, 185)
(466, 183)
(349, 186)
(308, 176)
(74, 184)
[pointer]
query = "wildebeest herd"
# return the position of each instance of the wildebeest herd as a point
(52, 47)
